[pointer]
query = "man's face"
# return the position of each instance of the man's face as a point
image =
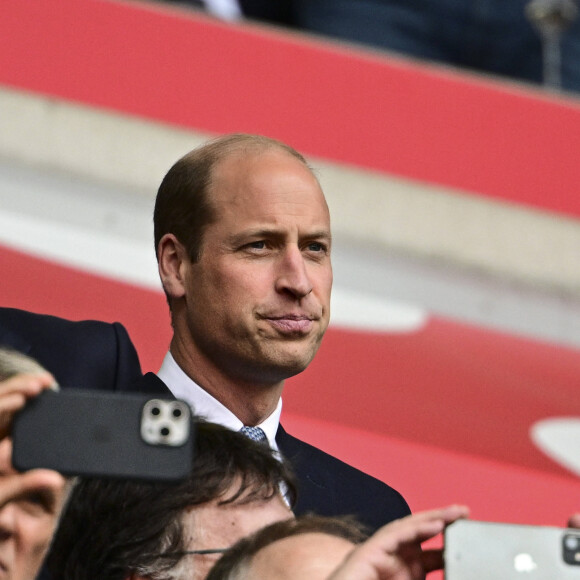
(28, 515)
(213, 526)
(313, 555)
(258, 300)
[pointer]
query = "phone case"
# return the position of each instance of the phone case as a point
(483, 550)
(104, 434)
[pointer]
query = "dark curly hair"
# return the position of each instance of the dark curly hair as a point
(113, 528)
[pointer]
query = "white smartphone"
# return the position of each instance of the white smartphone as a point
(478, 550)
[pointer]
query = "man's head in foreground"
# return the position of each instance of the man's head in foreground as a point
(30, 502)
(118, 530)
(329, 549)
(242, 234)
(306, 547)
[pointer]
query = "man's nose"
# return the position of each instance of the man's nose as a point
(293, 274)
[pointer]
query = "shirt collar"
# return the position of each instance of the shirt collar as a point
(206, 406)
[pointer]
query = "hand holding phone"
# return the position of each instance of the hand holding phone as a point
(483, 550)
(104, 434)
(15, 392)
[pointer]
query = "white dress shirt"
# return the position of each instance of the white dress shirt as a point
(206, 406)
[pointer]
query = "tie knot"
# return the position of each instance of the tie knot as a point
(254, 433)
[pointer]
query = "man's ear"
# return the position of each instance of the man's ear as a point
(173, 260)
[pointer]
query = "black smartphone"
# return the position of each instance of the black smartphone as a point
(104, 434)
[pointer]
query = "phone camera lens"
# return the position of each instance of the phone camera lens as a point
(177, 413)
(155, 411)
(571, 542)
(165, 431)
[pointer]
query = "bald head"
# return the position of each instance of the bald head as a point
(184, 206)
(307, 547)
(313, 555)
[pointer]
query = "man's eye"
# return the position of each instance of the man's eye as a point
(258, 245)
(37, 502)
(316, 247)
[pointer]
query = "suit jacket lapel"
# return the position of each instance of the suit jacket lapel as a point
(314, 494)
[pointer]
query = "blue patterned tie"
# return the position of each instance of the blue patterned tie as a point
(255, 434)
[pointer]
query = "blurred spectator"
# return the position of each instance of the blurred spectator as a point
(116, 530)
(329, 549)
(224, 9)
(29, 502)
(494, 36)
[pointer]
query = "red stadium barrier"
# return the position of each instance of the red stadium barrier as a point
(352, 106)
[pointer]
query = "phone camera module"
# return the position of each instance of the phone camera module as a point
(571, 548)
(165, 422)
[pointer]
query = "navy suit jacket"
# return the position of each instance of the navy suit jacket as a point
(85, 354)
(326, 485)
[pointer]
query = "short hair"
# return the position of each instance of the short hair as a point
(183, 206)
(14, 362)
(235, 562)
(114, 528)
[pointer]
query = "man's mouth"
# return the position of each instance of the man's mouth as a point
(291, 324)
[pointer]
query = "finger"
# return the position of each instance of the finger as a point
(10, 403)
(422, 525)
(394, 551)
(574, 521)
(448, 514)
(412, 531)
(453, 513)
(14, 393)
(432, 560)
(42, 479)
(394, 554)
(6, 457)
(31, 383)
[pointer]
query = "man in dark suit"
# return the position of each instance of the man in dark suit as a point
(243, 240)
(84, 354)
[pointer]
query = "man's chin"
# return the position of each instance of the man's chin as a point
(292, 363)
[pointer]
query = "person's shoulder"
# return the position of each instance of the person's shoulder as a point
(84, 353)
(300, 452)
(18, 326)
(352, 491)
(23, 319)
